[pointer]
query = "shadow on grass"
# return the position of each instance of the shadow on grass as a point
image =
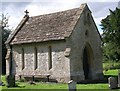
(104, 80)
(16, 86)
(107, 76)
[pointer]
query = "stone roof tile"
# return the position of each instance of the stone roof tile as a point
(54, 26)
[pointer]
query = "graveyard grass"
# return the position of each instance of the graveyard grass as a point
(26, 85)
(41, 85)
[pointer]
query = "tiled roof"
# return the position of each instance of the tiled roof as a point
(54, 26)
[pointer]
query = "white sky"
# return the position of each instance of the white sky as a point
(15, 9)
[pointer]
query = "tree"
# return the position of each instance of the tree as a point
(5, 35)
(111, 35)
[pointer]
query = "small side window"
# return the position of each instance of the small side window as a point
(88, 18)
(50, 57)
(35, 58)
(86, 33)
(23, 61)
(84, 18)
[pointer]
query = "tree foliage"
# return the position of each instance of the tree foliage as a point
(111, 35)
(109, 53)
(5, 34)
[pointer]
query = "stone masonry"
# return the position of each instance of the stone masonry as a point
(60, 53)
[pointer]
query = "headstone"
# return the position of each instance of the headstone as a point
(1, 86)
(112, 82)
(118, 78)
(0, 77)
(0, 83)
(71, 86)
(10, 81)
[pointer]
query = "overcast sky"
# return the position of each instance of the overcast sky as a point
(37, 7)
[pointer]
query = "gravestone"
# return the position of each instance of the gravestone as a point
(112, 82)
(118, 78)
(71, 86)
(10, 81)
(0, 72)
(0, 83)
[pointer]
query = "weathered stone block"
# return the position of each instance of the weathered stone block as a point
(10, 81)
(112, 82)
(72, 85)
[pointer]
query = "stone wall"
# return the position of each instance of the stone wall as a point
(60, 63)
(78, 40)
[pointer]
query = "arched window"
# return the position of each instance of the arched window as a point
(88, 18)
(23, 61)
(50, 57)
(35, 58)
(86, 33)
(85, 18)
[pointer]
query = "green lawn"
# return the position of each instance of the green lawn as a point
(111, 72)
(111, 65)
(41, 85)
(57, 86)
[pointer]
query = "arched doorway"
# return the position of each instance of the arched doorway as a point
(85, 64)
(87, 61)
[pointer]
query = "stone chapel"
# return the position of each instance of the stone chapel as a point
(59, 46)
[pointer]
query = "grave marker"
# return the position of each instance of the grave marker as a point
(71, 86)
(112, 82)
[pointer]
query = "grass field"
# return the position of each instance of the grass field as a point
(46, 86)
(111, 72)
(111, 65)
(25, 85)
(41, 85)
